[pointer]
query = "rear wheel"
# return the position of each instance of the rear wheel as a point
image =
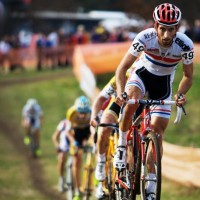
(88, 175)
(152, 152)
(88, 172)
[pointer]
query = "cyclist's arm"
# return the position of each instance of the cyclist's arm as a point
(126, 62)
(102, 100)
(70, 136)
(185, 83)
(55, 138)
(97, 105)
(24, 122)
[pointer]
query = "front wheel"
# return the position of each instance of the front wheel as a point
(69, 179)
(151, 149)
(121, 192)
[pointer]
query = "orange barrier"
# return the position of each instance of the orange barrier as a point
(103, 58)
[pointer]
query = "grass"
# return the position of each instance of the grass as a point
(55, 96)
(186, 133)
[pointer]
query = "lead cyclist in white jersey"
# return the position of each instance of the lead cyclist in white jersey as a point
(161, 48)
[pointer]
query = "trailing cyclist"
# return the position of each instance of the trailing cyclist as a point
(162, 47)
(79, 116)
(61, 144)
(104, 102)
(32, 115)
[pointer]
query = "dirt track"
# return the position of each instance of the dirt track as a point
(34, 165)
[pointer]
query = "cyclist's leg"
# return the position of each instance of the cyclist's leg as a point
(103, 143)
(109, 117)
(159, 125)
(81, 136)
(120, 156)
(27, 127)
(36, 135)
(76, 166)
(61, 170)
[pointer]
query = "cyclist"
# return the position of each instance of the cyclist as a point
(31, 121)
(79, 115)
(61, 144)
(104, 103)
(162, 47)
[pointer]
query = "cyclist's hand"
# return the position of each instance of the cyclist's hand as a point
(121, 99)
(95, 121)
(58, 150)
(180, 99)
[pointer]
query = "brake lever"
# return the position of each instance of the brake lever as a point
(183, 108)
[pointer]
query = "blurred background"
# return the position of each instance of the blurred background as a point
(37, 15)
(46, 34)
(46, 30)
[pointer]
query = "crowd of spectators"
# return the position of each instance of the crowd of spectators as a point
(50, 49)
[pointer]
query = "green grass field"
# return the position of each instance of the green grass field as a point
(56, 93)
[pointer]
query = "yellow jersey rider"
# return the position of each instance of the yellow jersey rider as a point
(79, 116)
(109, 115)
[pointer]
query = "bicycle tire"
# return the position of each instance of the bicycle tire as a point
(87, 187)
(33, 145)
(88, 175)
(137, 169)
(120, 193)
(137, 174)
(151, 142)
(131, 168)
(110, 170)
(69, 179)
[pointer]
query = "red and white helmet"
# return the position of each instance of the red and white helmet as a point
(167, 14)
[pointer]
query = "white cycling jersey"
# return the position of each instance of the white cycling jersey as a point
(155, 68)
(161, 61)
(32, 115)
(63, 127)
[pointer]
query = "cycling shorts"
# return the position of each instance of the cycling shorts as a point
(157, 88)
(114, 110)
(81, 134)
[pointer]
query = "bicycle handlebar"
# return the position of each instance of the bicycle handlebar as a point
(150, 102)
(110, 125)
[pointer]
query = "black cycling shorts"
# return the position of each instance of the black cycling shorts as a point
(81, 134)
(157, 87)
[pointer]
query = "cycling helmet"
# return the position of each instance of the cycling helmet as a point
(31, 102)
(167, 14)
(82, 104)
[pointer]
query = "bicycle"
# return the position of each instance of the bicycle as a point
(30, 140)
(88, 178)
(141, 141)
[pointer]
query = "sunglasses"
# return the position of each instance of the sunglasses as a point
(82, 112)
